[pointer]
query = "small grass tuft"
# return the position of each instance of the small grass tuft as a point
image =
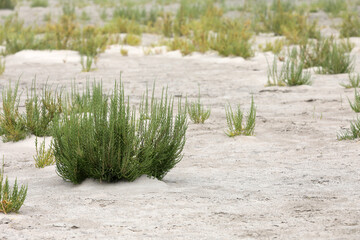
(87, 62)
(197, 112)
(354, 81)
(39, 3)
(352, 133)
(356, 105)
(235, 121)
(2, 66)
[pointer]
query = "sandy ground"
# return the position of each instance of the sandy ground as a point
(292, 180)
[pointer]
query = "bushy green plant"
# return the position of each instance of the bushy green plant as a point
(41, 111)
(333, 7)
(197, 112)
(274, 47)
(235, 121)
(110, 142)
(39, 3)
(350, 26)
(290, 74)
(356, 105)
(354, 81)
(11, 200)
(12, 124)
(43, 157)
(7, 4)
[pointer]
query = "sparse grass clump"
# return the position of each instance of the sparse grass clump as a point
(43, 157)
(11, 200)
(132, 40)
(2, 65)
(274, 47)
(197, 112)
(87, 62)
(110, 142)
(356, 105)
(39, 3)
(354, 81)
(291, 72)
(334, 7)
(352, 133)
(331, 57)
(235, 121)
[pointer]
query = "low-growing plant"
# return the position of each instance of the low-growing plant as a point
(43, 157)
(39, 3)
(293, 71)
(333, 7)
(356, 105)
(2, 65)
(331, 57)
(235, 121)
(12, 124)
(275, 78)
(11, 200)
(132, 40)
(274, 47)
(197, 112)
(110, 142)
(350, 26)
(41, 111)
(353, 81)
(352, 133)
(124, 52)
(87, 62)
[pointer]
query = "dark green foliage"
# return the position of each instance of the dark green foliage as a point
(12, 123)
(7, 4)
(110, 143)
(235, 121)
(10, 200)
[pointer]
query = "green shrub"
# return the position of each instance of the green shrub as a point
(7, 4)
(110, 143)
(350, 26)
(41, 111)
(235, 121)
(354, 81)
(197, 112)
(43, 157)
(132, 40)
(333, 7)
(274, 47)
(330, 56)
(39, 3)
(291, 73)
(12, 124)
(11, 200)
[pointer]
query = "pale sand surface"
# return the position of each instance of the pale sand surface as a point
(292, 180)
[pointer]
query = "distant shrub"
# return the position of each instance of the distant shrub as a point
(7, 4)
(39, 3)
(350, 26)
(132, 40)
(2, 65)
(109, 142)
